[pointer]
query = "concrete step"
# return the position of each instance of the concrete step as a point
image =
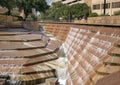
(105, 70)
(113, 61)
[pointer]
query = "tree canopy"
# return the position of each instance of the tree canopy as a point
(53, 13)
(9, 4)
(25, 5)
(28, 5)
(79, 10)
(66, 12)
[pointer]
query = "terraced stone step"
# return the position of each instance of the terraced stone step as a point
(31, 70)
(96, 78)
(15, 61)
(34, 79)
(41, 59)
(6, 70)
(119, 45)
(113, 61)
(28, 57)
(26, 53)
(116, 51)
(20, 38)
(21, 45)
(13, 33)
(105, 70)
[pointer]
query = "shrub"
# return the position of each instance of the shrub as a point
(93, 15)
(117, 12)
(31, 18)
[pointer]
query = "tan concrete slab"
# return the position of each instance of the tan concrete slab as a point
(35, 68)
(113, 60)
(108, 69)
(9, 69)
(20, 37)
(14, 61)
(13, 33)
(16, 53)
(41, 59)
(116, 50)
(24, 53)
(21, 45)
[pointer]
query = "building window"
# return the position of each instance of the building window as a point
(116, 5)
(106, 6)
(97, 6)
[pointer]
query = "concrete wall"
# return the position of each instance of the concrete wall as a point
(61, 30)
(105, 20)
(31, 25)
(58, 30)
(9, 21)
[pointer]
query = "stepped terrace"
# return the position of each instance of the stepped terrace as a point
(79, 54)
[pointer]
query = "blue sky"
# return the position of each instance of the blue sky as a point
(49, 1)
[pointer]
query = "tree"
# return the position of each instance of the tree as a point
(79, 10)
(28, 5)
(66, 12)
(55, 11)
(25, 5)
(9, 4)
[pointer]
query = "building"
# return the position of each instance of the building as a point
(111, 6)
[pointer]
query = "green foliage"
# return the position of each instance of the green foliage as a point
(64, 11)
(9, 4)
(93, 15)
(28, 5)
(30, 18)
(25, 5)
(96, 15)
(54, 12)
(79, 10)
(117, 12)
(57, 5)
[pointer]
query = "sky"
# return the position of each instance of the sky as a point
(49, 1)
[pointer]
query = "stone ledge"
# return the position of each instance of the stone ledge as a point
(104, 20)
